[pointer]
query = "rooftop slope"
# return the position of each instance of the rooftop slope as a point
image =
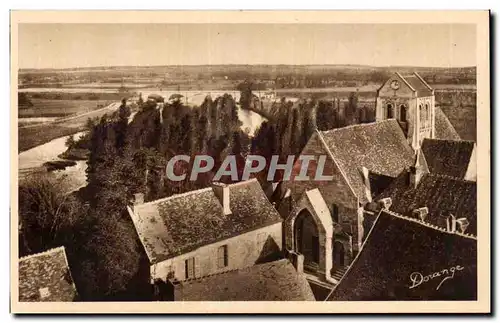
(381, 147)
(443, 127)
(273, 281)
(442, 195)
(396, 256)
(184, 222)
(45, 277)
(448, 157)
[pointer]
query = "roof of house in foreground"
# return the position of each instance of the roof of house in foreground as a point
(181, 223)
(448, 157)
(272, 281)
(381, 147)
(443, 127)
(442, 195)
(399, 253)
(45, 277)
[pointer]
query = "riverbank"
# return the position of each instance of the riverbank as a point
(35, 135)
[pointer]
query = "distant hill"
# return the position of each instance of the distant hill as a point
(277, 68)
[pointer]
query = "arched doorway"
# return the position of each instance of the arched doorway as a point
(307, 240)
(338, 255)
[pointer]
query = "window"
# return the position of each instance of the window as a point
(335, 213)
(427, 114)
(390, 113)
(422, 114)
(402, 113)
(189, 266)
(222, 258)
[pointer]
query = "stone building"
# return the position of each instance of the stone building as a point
(46, 277)
(410, 100)
(324, 219)
(208, 231)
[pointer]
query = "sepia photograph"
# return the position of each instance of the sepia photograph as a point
(222, 162)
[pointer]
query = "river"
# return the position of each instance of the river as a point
(31, 162)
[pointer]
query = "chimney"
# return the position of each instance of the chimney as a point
(221, 190)
(421, 213)
(138, 198)
(451, 223)
(173, 290)
(463, 223)
(366, 178)
(385, 203)
(297, 261)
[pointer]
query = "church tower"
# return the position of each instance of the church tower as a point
(410, 100)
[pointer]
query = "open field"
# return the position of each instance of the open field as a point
(34, 135)
(60, 108)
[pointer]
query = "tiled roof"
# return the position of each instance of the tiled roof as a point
(418, 85)
(448, 157)
(442, 195)
(45, 277)
(443, 127)
(378, 183)
(272, 281)
(398, 249)
(184, 222)
(381, 147)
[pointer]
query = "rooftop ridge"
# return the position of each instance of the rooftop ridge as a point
(195, 279)
(458, 179)
(332, 156)
(369, 124)
(451, 140)
(432, 226)
(43, 253)
(201, 190)
(423, 81)
(251, 180)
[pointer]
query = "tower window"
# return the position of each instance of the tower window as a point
(390, 113)
(402, 113)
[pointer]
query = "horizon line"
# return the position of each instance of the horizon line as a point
(239, 64)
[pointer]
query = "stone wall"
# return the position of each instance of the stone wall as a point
(243, 250)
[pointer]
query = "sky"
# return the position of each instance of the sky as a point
(87, 45)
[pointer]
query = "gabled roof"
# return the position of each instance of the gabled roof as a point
(448, 157)
(181, 223)
(442, 195)
(272, 281)
(399, 249)
(415, 83)
(419, 85)
(381, 147)
(443, 127)
(45, 277)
